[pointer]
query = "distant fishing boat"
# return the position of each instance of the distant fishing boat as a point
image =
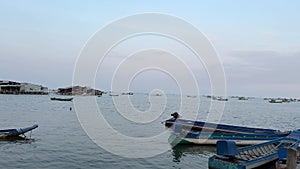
(219, 98)
(61, 99)
(276, 101)
(282, 100)
(228, 156)
(156, 94)
(222, 99)
(114, 94)
(243, 98)
(128, 93)
(191, 96)
(9, 133)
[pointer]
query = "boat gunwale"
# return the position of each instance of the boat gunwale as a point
(223, 127)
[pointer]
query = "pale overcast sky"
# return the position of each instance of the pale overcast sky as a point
(257, 41)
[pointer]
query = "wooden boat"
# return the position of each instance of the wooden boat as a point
(224, 128)
(191, 96)
(211, 138)
(276, 101)
(243, 98)
(219, 98)
(114, 94)
(228, 156)
(222, 99)
(128, 93)
(61, 99)
(241, 135)
(9, 133)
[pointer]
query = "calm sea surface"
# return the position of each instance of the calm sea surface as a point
(60, 142)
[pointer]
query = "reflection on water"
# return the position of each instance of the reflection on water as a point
(179, 151)
(17, 139)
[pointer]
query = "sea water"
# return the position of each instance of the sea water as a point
(60, 141)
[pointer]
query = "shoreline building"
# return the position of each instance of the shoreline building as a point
(11, 87)
(78, 90)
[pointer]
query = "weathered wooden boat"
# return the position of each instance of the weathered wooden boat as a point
(210, 137)
(61, 99)
(114, 94)
(9, 133)
(223, 128)
(289, 158)
(243, 98)
(228, 156)
(128, 93)
(276, 101)
(219, 98)
(222, 99)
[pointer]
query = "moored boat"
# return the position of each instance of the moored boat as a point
(219, 98)
(222, 99)
(61, 99)
(181, 136)
(243, 98)
(191, 96)
(224, 128)
(228, 156)
(128, 93)
(112, 94)
(276, 101)
(9, 133)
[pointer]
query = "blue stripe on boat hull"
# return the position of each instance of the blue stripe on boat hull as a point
(208, 138)
(174, 140)
(199, 126)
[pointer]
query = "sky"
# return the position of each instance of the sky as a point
(258, 42)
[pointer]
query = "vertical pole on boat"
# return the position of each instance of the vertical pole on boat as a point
(291, 158)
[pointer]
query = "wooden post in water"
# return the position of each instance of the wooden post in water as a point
(291, 158)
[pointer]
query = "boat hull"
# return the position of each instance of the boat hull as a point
(222, 128)
(212, 138)
(252, 156)
(241, 135)
(8, 133)
(61, 99)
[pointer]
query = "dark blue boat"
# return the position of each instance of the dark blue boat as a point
(9, 133)
(210, 133)
(224, 128)
(61, 99)
(228, 156)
